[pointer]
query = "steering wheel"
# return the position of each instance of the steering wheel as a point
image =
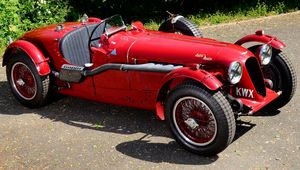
(91, 39)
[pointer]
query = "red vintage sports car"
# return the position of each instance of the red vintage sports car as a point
(198, 85)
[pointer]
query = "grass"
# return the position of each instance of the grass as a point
(2, 51)
(218, 17)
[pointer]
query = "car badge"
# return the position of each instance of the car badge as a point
(200, 55)
(244, 53)
(114, 52)
(203, 56)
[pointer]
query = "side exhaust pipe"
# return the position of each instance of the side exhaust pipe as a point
(71, 73)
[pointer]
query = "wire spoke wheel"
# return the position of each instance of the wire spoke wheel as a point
(272, 74)
(194, 121)
(200, 120)
(23, 81)
(28, 87)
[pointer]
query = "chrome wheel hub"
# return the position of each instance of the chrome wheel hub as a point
(20, 82)
(192, 124)
(194, 121)
(23, 81)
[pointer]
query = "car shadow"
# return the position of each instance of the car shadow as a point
(115, 119)
(171, 152)
(242, 127)
(265, 113)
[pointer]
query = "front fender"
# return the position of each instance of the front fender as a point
(37, 57)
(259, 36)
(203, 77)
(199, 75)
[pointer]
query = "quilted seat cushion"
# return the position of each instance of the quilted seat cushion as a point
(75, 45)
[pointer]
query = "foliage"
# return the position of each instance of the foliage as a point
(148, 10)
(9, 20)
(260, 9)
(43, 12)
(219, 16)
(18, 16)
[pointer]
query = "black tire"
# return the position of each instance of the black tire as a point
(283, 76)
(220, 118)
(39, 86)
(182, 26)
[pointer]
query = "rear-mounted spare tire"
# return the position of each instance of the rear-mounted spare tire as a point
(180, 25)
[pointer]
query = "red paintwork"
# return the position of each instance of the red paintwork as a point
(146, 90)
(206, 78)
(38, 58)
(259, 36)
(257, 105)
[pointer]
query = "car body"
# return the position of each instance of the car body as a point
(101, 60)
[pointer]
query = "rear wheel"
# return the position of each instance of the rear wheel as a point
(27, 86)
(200, 120)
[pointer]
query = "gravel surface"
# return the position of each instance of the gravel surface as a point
(77, 134)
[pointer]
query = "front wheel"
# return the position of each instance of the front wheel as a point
(200, 120)
(282, 75)
(27, 86)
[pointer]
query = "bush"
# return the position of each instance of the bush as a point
(9, 20)
(147, 10)
(19, 16)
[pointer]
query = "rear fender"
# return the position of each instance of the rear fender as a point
(201, 76)
(259, 36)
(37, 57)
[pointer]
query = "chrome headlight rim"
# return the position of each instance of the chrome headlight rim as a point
(265, 54)
(235, 72)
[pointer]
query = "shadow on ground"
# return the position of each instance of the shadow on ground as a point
(114, 119)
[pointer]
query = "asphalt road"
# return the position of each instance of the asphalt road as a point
(77, 134)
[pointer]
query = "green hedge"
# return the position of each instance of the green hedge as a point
(19, 16)
(147, 10)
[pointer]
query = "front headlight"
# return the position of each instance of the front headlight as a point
(265, 54)
(235, 72)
